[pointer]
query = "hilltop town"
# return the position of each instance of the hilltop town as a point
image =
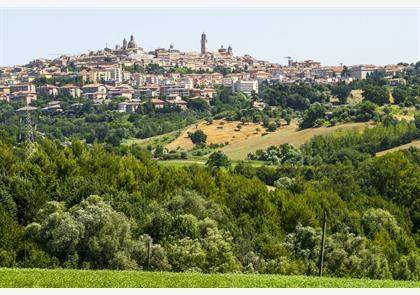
(163, 76)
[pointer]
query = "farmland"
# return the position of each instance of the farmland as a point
(13, 278)
(288, 134)
(248, 139)
(220, 131)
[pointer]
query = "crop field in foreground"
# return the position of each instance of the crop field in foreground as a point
(19, 278)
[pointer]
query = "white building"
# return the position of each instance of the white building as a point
(245, 86)
(361, 71)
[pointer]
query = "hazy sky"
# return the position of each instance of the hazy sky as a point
(351, 36)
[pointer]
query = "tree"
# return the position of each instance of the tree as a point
(376, 94)
(288, 119)
(220, 256)
(314, 113)
(400, 94)
(376, 220)
(10, 239)
(217, 160)
(342, 91)
(244, 169)
(272, 127)
(158, 151)
(198, 104)
(187, 255)
(417, 119)
(198, 137)
(92, 229)
(158, 258)
(345, 72)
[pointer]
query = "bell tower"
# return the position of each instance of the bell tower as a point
(203, 43)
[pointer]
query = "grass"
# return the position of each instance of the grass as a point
(287, 134)
(180, 163)
(154, 141)
(203, 160)
(220, 131)
(248, 139)
(58, 278)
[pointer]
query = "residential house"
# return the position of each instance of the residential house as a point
(94, 91)
(25, 87)
(47, 90)
(23, 96)
(70, 90)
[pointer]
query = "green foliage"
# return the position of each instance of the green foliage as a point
(10, 238)
(198, 137)
(217, 160)
(376, 94)
(342, 91)
(214, 220)
(313, 116)
(91, 229)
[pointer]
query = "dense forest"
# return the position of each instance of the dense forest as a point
(78, 205)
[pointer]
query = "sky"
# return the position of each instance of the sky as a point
(330, 35)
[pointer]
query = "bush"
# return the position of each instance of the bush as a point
(272, 127)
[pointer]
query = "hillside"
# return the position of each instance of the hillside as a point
(288, 134)
(44, 278)
(220, 131)
(249, 138)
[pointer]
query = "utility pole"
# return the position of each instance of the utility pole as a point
(24, 252)
(149, 247)
(321, 255)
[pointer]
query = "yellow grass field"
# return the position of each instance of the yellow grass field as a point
(249, 140)
(239, 151)
(218, 133)
(415, 143)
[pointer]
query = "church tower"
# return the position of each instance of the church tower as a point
(203, 43)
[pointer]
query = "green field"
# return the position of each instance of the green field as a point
(13, 278)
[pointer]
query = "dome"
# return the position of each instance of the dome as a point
(132, 43)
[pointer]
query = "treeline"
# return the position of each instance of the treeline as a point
(381, 137)
(343, 145)
(296, 96)
(100, 124)
(82, 206)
